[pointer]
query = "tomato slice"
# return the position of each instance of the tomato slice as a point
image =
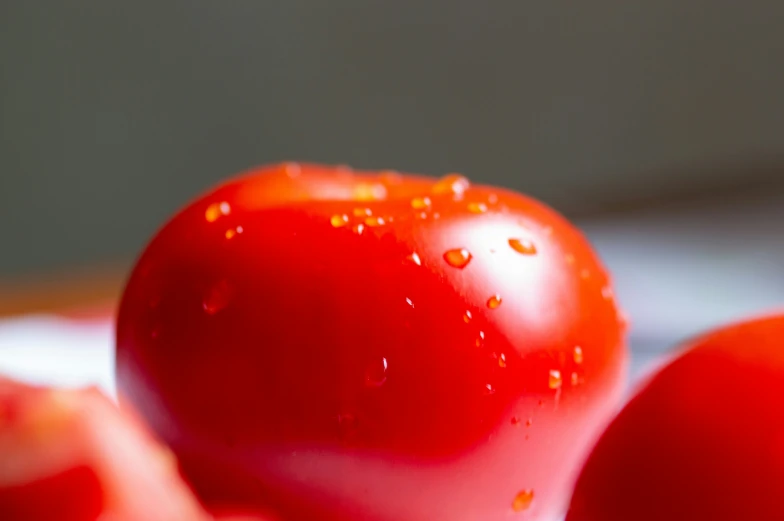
(70, 455)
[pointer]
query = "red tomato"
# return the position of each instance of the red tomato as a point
(704, 439)
(348, 345)
(71, 456)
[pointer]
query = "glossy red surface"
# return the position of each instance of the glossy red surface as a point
(345, 345)
(704, 439)
(72, 456)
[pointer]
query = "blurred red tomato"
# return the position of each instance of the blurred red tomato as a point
(704, 439)
(71, 456)
(346, 345)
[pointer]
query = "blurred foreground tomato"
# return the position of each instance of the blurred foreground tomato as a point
(704, 439)
(343, 345)
(71, 456)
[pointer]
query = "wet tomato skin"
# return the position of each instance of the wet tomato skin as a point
(353, 345)
(703, 439)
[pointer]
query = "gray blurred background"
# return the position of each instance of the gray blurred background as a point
(658, 126)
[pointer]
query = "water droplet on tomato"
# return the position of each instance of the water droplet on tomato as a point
(217, 298)
(555, 380)
(421, 215)
(577, 355)
(359, 229)
(458, 258)
(391, 177)
(523, 246)
(528, 422)
(516, 421)
(436, 216)
(522, 501)
(409, 302)
(292, 170)
(374, 221)
(414, 257)
(480, 339)
(489, 389)
(420, 203)
(370, 192)
(376, 373)
(575, 378)
(339, 220)
(477, 207)
(216, 210)
(231, 233)
(454, 184)
(502, 360)
(362, 212)
(467, 317)
(494, 301)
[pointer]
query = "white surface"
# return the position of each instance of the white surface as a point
(53, 351)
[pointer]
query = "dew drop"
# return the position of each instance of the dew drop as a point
(575, 378)
(231, 233)
(494, 301)
(467, 316)
(391, 177)
(359, 229)
(480, 339)
(414, 257)
(217, 298)
(523, 246)
(577, 355)
(409, 302)
(458, 258)
(489, 389)
(555, 379)
(374, 221)
(477, 207)
(216, 210)
(339, 220)
(502, 360)
(522, 501)
(362, 212)
(370, 192)
(454, 184)
(376, 373)
(421, 215)
(436, 216)
(292, 170)
(420, 203)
